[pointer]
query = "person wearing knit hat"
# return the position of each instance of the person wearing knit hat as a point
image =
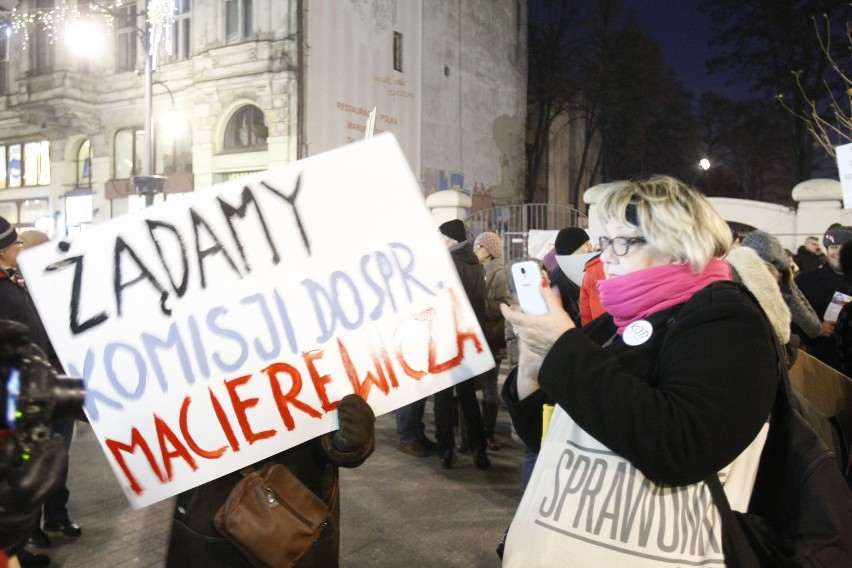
(772, 252)
(10, 244)
(491, 242)
(570, 239)
(488, 247)
(455, 230)
(8, 234)
(819, 287)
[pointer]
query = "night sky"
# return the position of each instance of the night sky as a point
(683, 32)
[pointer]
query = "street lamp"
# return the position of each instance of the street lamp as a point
(157, 28)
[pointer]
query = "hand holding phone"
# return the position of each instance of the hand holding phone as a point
(527, 278)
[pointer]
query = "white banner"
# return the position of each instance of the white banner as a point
(844, 169)
(219, 329)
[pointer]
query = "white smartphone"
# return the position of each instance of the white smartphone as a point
(527, 277)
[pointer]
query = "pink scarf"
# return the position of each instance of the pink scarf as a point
(639, 294)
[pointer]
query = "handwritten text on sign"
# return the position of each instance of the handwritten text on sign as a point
(222, 328)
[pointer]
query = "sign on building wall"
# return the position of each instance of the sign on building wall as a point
(220, 329)
(363, 56)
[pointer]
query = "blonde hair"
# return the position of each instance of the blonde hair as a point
(673, 217)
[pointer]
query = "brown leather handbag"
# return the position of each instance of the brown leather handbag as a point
(272, 517)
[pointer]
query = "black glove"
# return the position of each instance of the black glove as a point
(357, 424)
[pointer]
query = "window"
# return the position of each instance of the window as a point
(42, 53)
(397, 51)
(125, 34)
(84, 165)
(238, 20)
(173, 144)
(24, 164)
(180, 32)
(4, 58)
(78, 213)
(129, 147)
(246, 130)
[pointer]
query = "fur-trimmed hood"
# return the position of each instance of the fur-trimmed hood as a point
(750, 271)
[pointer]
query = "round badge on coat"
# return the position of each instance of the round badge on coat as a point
(637, 332)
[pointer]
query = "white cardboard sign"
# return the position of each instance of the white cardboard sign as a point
(844, 170)
(219, 329)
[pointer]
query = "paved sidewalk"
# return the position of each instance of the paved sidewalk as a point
(397, 510)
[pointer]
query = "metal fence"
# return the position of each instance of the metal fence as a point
(514, 222)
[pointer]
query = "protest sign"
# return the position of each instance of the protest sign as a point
(844, 170)
(221, 328)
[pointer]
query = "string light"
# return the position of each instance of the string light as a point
(61, 18)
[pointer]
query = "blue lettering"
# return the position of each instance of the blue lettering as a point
(110, 353)
(152, 344)
(214, 315)
(92, 394)
(275, 348)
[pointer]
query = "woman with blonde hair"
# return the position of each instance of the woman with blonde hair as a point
(672, 385)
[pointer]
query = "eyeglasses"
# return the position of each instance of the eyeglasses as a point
(620, 245)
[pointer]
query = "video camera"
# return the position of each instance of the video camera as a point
(32, 458)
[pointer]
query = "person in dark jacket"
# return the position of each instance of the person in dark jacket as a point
(571, 240)
(843, 326)
(472, 277)
(809, 256)
(17, 305)
(672, 384)
(819, 287)
(195, 542)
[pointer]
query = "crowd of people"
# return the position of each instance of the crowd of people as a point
(655, 370)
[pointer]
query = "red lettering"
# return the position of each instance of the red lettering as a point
(190, 441)
(164, 434)
(319, 380)
(282, 400)
(363, 388)
(240, 407)
(425, 315)
(461, 337)
(223, 422)
(136, 441)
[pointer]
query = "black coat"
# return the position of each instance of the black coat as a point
(472, 277)
(17, 305)
(807, 261)
(819, 286)
(680, 406)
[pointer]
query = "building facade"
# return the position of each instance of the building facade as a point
(247, 85)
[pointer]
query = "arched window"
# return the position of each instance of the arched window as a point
(84, 164)
(246, 130)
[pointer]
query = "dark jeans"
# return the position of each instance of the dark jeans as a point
(409, 421)
(56, 506)
(444, 410)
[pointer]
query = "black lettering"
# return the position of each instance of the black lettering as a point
(230, 212)
(292, 201)
(180, 289)
(122, 248)
(198, 221)
(78, 327)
